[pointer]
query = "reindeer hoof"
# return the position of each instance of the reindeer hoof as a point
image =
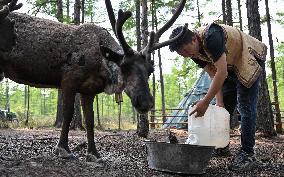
(62, 153)
(101, 162)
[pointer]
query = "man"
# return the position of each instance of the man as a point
(234, 61)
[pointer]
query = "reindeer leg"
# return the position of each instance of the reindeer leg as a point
(62, 149)
(87, 105)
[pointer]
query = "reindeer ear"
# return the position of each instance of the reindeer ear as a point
(111, 55)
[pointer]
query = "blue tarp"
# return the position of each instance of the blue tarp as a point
(198, 91)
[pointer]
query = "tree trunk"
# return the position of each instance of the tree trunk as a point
(143, 123)
(83, 11)
(138, 40)
(138, 31)
(161, 77)
(59, 112)
(98, 112)
(44, 102)
(28, 105)
(224, 11)
(77, 116)
(198, 14)
(264, 122)
(7, 105)
(144, 23)
(229, 13)
(59, 14)
(152, 117)
(68, 9)
(274, 79)
(240, 15)
(102, 103)
(77, 10)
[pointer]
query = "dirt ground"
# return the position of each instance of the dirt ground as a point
(26, 152)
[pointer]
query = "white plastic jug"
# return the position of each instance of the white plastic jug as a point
(213, 129)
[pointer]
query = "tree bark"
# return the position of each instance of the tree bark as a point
(7, 105)
(224, 11)
(28, 105)
(59, 112)
(138, 39)
(98, 112)
(240, 15)
(152, 117)
(77, 116)
(198, 14)
(83, 11)
(59, 14)
(229, 13)
(138, 25)
(144, 23)
(77, 10)
(264, 122)
(161, 77)
(143, 123)
(274, 79)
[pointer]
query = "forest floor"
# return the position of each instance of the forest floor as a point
(25, 152)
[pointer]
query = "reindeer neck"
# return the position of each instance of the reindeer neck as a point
(115, 82)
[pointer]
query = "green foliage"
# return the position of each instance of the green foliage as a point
(280, 19)
(279, 63)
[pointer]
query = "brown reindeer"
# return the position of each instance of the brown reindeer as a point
(81, 59)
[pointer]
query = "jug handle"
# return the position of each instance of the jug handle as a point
(192, 139)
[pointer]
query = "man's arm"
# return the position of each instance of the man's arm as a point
(215, 87)
(211, 70)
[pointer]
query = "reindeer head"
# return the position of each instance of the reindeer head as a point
(7, 31)
(136, 67)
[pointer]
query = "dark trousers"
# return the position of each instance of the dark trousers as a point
(235, 94)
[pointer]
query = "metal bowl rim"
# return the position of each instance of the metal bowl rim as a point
(192, 145)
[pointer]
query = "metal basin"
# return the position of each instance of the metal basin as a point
(178, 158)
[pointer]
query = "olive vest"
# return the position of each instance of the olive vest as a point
(243, 51)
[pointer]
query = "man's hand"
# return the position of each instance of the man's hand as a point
(199, 108)
(220, 104)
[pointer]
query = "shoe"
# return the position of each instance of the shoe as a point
(243, 162)
(221, 152)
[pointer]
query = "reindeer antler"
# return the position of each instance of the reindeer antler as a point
(117, 26)
(154, 37)
(8, 6)
(14, 6)
(122, 17)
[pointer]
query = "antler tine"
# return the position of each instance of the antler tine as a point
(168, 42)
(111, 15)
(171, 21)
(4, 12)
(122, 17)
(14, 6)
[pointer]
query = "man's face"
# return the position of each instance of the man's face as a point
(190, 49)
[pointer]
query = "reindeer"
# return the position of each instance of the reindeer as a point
(82, 59)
